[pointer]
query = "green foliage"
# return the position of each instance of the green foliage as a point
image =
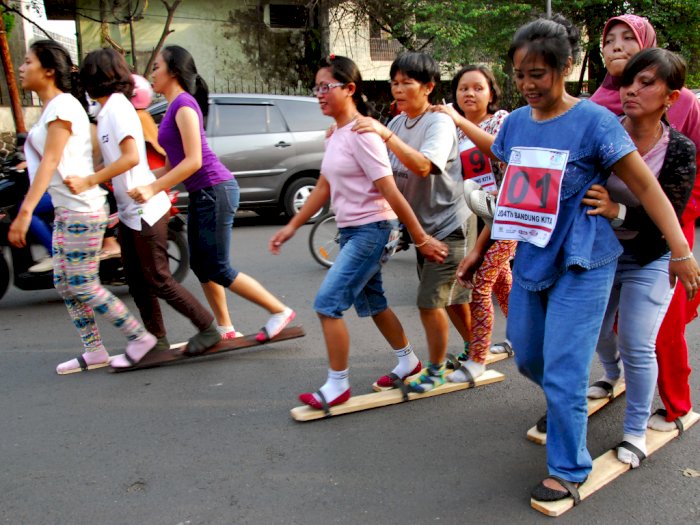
(463, 31)
(9, 20)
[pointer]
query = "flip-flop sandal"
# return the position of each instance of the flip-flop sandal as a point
(83, 366)
(541, 424)
(605, 386)
(678, 422)
(543, 493)
(470, 378)
(641, 456)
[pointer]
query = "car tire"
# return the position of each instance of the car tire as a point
(296, 194)
(4, 275)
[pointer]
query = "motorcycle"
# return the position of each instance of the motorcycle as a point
(14, 184)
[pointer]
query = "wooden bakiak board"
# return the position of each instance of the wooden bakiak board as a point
(175, 353)
(389, 397)
(607, 468)
(594, 405)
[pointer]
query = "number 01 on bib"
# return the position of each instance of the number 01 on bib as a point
(528, 203)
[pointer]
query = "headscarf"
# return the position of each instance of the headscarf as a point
(608, 94)
(684, 115)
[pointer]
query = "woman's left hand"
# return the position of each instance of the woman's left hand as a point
(370, 125)
(141, 194)
(688, 273)
(598, 198)
(17, 234)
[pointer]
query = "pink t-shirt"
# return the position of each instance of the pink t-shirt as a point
(351, 164)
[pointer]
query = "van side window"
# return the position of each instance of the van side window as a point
(303, 115)
(244, 119)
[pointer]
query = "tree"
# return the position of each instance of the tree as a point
(458, 32)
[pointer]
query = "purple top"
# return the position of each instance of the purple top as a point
(212, 171)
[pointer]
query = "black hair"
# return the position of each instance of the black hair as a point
(104, 72)
(494, 88)
(52, 55)
(668, 67)
(345, 70)
(418, 66)
(555, 40)
(181, 65)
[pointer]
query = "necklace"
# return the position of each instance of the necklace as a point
(414, 121)
(653, 142)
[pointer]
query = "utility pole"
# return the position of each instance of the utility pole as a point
(549, 8)
(11, 81)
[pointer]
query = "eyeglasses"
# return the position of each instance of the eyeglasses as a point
(325, 88)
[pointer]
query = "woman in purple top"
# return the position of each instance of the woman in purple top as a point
(213, 193)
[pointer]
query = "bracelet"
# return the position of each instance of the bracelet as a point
(391, 134)
(426, 241)
(681, 259)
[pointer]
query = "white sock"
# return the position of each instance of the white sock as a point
(407, 361)
(475, 369)
(658, 422)
(225, 329)
(336, 384)
(595, 392)
(629, 457)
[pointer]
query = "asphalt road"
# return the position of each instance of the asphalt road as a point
(211, 441)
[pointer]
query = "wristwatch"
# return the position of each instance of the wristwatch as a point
(617, 221)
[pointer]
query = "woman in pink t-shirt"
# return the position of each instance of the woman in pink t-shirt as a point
(357, 176)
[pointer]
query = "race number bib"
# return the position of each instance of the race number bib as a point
(476, 166)
(528, 203)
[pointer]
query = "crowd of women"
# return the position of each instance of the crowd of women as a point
(616, 173)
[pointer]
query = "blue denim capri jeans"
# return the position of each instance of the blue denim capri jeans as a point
(355, 277)
(210, 219)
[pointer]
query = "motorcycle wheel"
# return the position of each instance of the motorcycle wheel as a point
(4, 275)
(178, 254)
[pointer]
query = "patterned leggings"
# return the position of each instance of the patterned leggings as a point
(77, 239)
(493, 276)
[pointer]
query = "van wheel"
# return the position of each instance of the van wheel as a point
(296, 194)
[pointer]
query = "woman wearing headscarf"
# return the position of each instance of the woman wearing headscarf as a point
(623, 37)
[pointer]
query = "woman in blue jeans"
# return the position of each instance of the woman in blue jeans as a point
(561, 146)
(357, 176)
(650, 84)
(213, 194)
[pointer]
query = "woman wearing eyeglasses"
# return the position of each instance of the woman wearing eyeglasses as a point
(357, 177)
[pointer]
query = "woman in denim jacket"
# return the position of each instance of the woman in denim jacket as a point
(561, 287)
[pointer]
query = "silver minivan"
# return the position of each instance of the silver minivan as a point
(273, 144)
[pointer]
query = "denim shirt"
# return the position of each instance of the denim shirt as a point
(595, 141)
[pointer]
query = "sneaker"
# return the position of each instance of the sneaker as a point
(228, 336)
(431, 377)
(483, 204)
(44, 265)
(275, 324)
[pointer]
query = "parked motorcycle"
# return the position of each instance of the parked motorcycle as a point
(14, 184)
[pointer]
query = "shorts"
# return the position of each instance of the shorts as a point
(438, 285)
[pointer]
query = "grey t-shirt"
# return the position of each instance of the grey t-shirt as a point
(438, 199)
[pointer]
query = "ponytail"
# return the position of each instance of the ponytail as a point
(201, 95)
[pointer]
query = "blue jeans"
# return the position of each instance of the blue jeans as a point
(639, 298)
(38, 227)
(554, 332)
(355, 277)
(211, 211)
